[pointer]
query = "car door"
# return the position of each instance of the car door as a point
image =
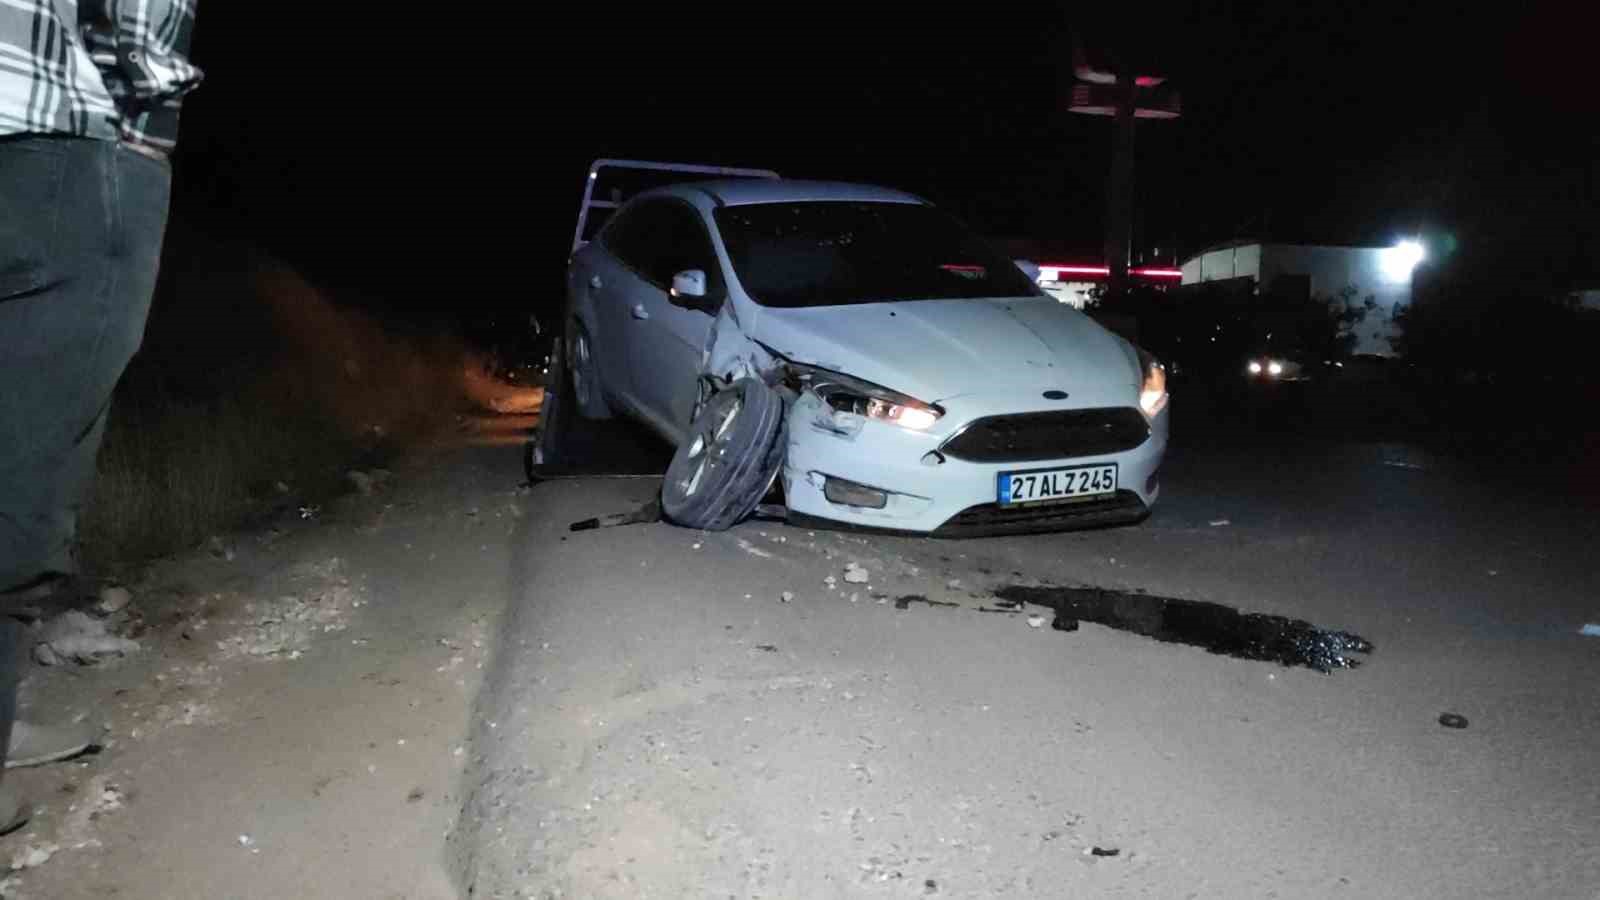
(666, 338)
(612, 279)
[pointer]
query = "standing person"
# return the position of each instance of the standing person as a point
(89, 97)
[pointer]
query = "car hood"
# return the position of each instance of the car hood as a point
(937, 350)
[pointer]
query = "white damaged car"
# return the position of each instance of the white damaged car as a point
(864, 350)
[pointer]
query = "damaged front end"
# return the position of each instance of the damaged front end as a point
(838, 426)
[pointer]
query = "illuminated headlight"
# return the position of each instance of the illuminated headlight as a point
(1255, 367)
(849, 396)
(1274, 368)
(1153, 392)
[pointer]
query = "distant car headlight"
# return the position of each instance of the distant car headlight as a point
(1274, 368)
(1153, 393)
(852, 396)
(1255, 367)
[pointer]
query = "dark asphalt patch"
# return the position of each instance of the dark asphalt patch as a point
(1212, 626)
(906, 601)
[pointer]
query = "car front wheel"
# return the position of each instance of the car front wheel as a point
(728, 461)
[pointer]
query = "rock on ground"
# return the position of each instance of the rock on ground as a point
(75, 636)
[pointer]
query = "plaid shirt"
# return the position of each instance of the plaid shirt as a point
(105, 69)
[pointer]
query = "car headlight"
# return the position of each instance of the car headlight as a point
(1274, 368)
(852, 396)
(1153, 393)
(1255, 367)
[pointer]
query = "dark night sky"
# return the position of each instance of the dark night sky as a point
(442, 159)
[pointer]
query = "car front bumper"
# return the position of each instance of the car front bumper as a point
(952, 497)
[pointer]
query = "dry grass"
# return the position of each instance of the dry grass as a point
(251, 379)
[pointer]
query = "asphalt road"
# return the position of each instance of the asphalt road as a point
(660, 722)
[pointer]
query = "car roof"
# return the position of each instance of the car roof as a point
(747, 191)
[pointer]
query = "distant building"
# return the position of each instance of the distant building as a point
(1382, 274)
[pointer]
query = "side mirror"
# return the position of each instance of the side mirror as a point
(689, 291)
(1029, 268)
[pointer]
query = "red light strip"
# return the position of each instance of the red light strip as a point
(1104, 270)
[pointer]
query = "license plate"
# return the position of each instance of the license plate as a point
(1068, 483)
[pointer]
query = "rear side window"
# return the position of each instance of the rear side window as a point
(660, 237)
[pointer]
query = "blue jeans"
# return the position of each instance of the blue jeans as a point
(81, 227)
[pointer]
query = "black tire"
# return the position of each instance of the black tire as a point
(731, 457)
(544, 446)
(587, 388)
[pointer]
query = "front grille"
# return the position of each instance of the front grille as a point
(1120, 508)
(1030, 437)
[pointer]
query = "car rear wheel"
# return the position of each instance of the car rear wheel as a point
(544, 445)
(586, 386)
(728, 461)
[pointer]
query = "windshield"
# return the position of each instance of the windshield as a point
(835, 253)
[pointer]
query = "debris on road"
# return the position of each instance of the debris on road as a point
(1453, 720)
(31, 856)
(1217, 628)
(1063, 623)
(786, 596)
(1036, 621)
(75, 636)
(753, 550)
(113, 599)
(767, 648)
(649, 512)
(906, 601)
(831, 582)
(220, 549)
(285, 626)
(1104, 851)
(855, 573)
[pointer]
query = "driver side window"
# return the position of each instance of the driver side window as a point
(659, 238)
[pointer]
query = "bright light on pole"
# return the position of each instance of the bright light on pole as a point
(1399, 261)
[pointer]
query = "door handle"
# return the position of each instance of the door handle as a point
(639, 312)
(595, 282)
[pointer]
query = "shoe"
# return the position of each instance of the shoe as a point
(33, 745)
(14, 813)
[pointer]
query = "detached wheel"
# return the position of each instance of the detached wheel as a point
(729, 460)
(586, 385)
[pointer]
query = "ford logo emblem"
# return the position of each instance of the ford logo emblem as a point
(1055, 395)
